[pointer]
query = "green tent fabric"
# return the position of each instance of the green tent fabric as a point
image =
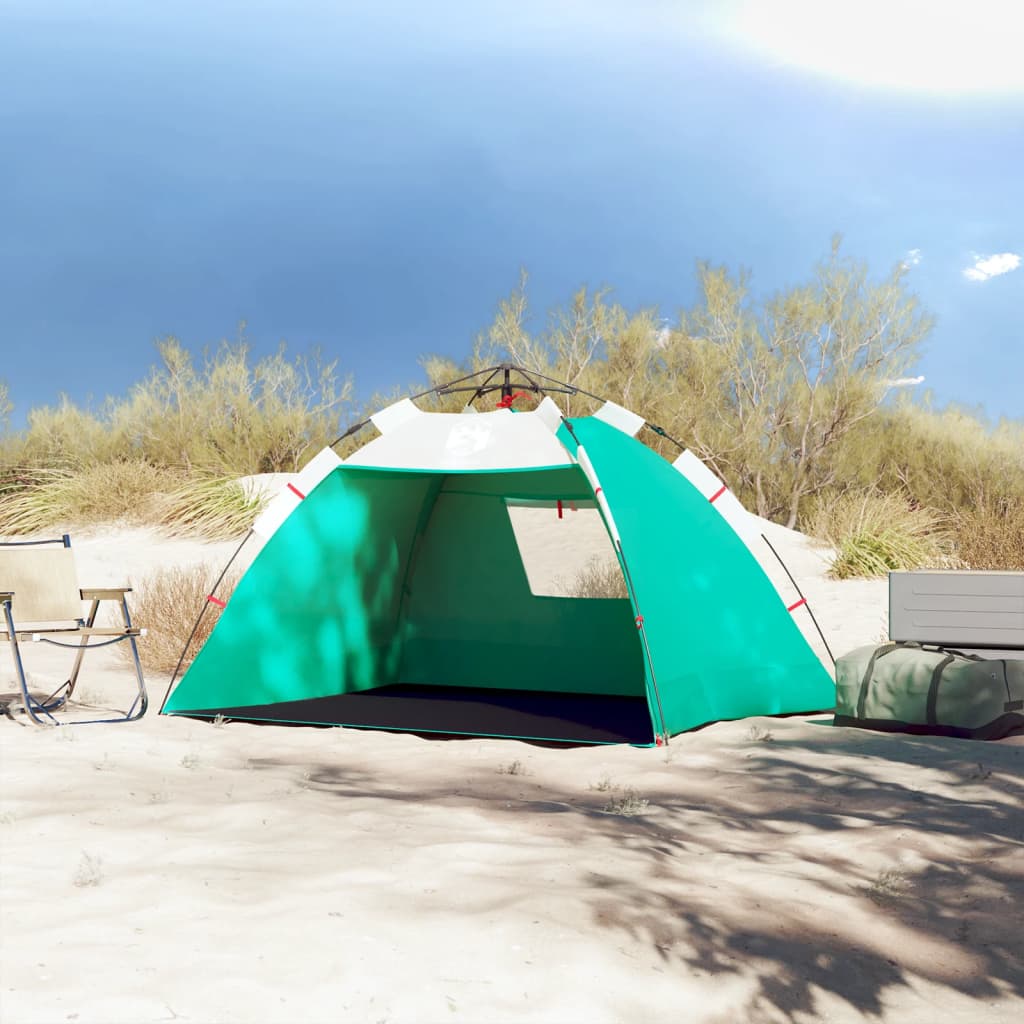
(396, 597)
(722, 643)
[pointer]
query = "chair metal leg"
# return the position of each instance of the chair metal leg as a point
(30, 704)
(141, 702)
(73, 678)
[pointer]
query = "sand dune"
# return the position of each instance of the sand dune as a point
(775, 870)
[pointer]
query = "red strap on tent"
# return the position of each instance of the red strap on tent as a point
(796, 604)
(559, 508)
(296, 491)
(506, 402)
(217, 601)
(639, 620)
(714, 497)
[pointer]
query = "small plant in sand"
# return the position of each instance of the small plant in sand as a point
(89, 871)
(603, 785)
(758, 735)
(887, 886)
(627, 803)
(190, 761)
(7, 818)
(513, 768)
(167, 602)
(218, 721)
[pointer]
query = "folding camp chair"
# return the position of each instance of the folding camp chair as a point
(41, 601)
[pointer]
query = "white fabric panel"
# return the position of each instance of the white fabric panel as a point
(450, 441)
(733, 512)
(549, 414)
(727, 504)
(394, 416)
(279, 509)
(316, 469)
(697, 473)
(620, 418)
(602, 503)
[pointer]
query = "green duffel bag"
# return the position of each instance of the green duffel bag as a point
(904, 687)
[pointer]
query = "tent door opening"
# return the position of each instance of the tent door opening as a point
(421, 617)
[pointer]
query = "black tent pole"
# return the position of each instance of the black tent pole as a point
(199, 619)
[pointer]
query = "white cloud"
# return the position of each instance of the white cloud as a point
(904, 382)
(912, 258)
(941, 46)
(985, 267)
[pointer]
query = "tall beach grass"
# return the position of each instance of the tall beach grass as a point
(876, 533)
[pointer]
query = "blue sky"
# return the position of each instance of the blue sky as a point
(370, 178)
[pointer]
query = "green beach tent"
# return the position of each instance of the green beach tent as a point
(391, 591)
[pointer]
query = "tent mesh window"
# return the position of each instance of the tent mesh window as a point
(565, 549)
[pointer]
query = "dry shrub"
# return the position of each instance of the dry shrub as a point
(48, 499)
(875, 533)
(226, 413)
(167, 603)
(991, 536)
(230, 413)
(946, 460)
(599, 578)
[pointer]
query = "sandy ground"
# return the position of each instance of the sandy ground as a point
(756, 871)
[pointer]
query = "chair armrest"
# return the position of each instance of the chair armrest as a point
(104, 593)
(6, 595)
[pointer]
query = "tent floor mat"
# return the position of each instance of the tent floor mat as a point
(475, 711)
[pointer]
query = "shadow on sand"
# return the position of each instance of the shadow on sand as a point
(684, 877)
